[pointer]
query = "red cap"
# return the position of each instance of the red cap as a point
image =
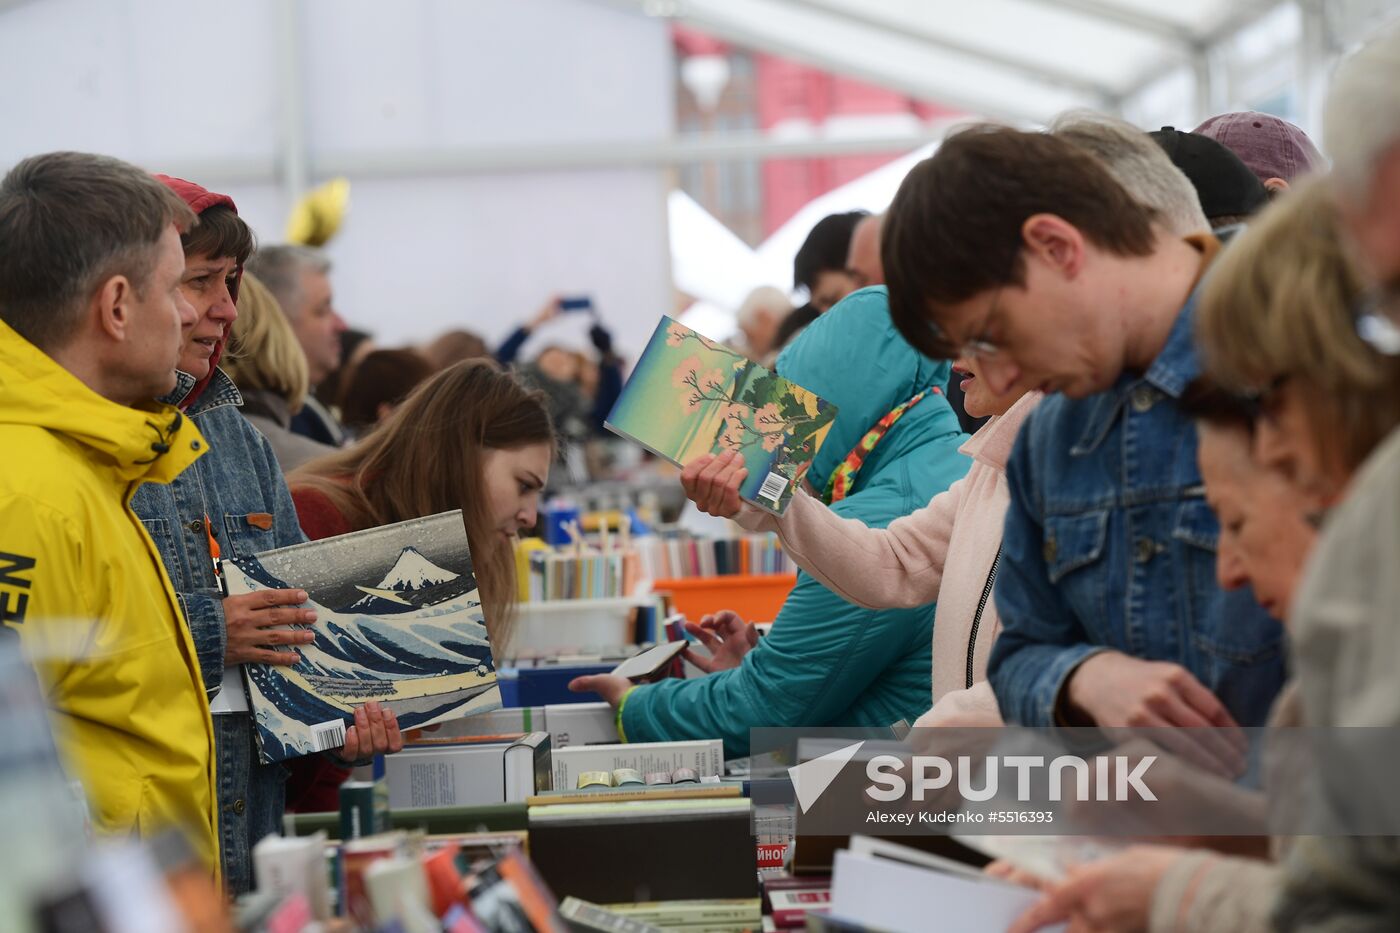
(200, 199)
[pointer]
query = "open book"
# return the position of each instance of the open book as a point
(689, 396)
(878, 884)
(398, 620)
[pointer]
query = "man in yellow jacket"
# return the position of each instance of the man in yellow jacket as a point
(91, 321)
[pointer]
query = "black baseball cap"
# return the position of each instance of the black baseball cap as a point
(1224, 184)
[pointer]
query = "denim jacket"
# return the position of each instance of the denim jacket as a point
(1110, 545)
(240, 489)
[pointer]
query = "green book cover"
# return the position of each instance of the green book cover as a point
(689, 396)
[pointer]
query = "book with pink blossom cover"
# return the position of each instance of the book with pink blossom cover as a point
(689, 395)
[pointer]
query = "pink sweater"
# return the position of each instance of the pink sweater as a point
(956, 537)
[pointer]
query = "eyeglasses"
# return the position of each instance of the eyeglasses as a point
(1376, 315)
(974, 348)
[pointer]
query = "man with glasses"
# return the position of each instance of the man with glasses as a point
(1022, 250)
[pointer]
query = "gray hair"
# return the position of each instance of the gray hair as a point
(280, 268)
(70, 221)
(1138, 164)
(1361, 119)
(764, 298)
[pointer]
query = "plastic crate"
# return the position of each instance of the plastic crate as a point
(754, 598)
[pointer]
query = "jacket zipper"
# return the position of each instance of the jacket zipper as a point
(977, 618)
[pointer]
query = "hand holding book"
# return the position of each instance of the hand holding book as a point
(712, 482)
(1110, 894)
(256, 624)
(375, 732)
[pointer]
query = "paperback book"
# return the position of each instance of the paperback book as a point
(689, 396)
(398, 620)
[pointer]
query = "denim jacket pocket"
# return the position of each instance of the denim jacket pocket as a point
(1197, 525)
(247, 538)
(167, 544)
(1076, 564)
(1074, 541)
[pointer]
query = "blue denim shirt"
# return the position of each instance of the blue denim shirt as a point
(1110, 545)
(240, 488)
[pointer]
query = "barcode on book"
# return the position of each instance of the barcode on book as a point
(773, 486)
(328, 735)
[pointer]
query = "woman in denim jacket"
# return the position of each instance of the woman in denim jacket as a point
(232, 503)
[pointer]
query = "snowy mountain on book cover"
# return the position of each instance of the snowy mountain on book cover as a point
(411, 574)
(398, 620)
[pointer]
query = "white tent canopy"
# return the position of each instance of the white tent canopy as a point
(1019, 60)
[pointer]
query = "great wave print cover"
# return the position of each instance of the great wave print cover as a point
(398, 620)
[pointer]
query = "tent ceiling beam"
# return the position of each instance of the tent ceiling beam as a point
(729, 147)
(924, 87)
(1231, 25)
(936, 43)
(1126, 17)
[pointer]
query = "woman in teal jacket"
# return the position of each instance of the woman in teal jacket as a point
(827, 662)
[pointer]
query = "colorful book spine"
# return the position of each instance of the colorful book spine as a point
(573, 572)
(684, 558)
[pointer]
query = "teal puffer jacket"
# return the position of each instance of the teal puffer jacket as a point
(827, 662)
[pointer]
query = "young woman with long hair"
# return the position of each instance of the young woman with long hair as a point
(471, 438)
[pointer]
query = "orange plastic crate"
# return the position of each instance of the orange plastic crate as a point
(754, 598)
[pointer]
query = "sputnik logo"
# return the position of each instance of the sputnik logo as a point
(811, 778)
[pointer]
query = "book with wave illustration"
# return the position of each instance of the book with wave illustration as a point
(689, 395)
(398, 620)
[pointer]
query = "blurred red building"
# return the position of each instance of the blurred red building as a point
(783, 99)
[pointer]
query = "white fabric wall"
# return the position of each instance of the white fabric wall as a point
(194, 87)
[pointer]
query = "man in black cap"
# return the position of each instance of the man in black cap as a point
(1229, 192)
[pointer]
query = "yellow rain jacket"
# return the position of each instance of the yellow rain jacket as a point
(82, 586)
